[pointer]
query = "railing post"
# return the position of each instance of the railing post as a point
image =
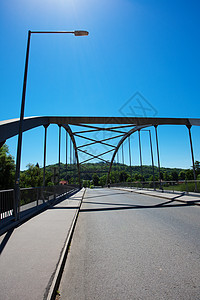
(37, 197)
(14, 206)
(192, 154)
(187, 187)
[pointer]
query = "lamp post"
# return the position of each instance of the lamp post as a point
(19, 146)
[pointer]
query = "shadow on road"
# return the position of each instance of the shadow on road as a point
(105, 195)
(123, 206)
(5, 240)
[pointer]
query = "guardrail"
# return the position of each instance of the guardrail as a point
(31, 198)
(187, 186)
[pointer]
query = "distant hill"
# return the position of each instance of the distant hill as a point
(89, 169)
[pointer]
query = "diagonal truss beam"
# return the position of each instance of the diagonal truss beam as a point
(95, 142)
(95, 156)
(111, 138)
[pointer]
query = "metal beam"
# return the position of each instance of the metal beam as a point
(192, 154)
(140, 150)
(152, 160)
(59, 149)
(66, 152)
(158, 155)
(9, 128)
(45, 147)
(68, 129)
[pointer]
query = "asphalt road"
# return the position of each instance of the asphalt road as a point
(130, 246)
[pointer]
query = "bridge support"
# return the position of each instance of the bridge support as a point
(45, 148)
(59, 147)
(158, 155)
(152, 159)
(129, 144)
(192, 154)
(66, 152)
(140, 149)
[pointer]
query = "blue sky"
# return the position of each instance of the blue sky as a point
(150, 47)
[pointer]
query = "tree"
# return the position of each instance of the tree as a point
(182, 175)
(166, 176)
(197, 167)
(189, 175)
(174, 176)
(95, 179)
(128, 179)
(7, 168)
(123, 176)
(33, 177)
(85, 183)
(102, 180)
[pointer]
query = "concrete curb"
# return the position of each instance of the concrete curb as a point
(162, 196)
(60, 267)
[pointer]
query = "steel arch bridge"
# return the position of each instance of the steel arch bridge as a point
(119, 129)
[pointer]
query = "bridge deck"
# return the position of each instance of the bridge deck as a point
(125, 246)
(131, 246)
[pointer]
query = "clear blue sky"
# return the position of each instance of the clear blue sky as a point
(151, 47)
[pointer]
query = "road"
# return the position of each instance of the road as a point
(130, 246)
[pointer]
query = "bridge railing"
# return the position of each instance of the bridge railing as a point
(6, 203)
(186, 186)
(31, 198)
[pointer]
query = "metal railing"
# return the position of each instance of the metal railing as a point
(187, 186)
(31, 198)
(6, 203)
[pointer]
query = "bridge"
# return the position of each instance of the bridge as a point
(124, 241)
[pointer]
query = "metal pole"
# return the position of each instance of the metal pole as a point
(140, 154)
(129, 141)
(118, 164)
(19, 146)
(152, 159)
(66, 152)
(59, 146)
(123, 161)
(158, 155)
(45, 147)
(192, 154)
(70, 159)
(74, 171)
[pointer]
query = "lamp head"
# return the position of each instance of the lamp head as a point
(80, 32)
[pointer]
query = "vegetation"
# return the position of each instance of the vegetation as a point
(92, 174)
(7, 168)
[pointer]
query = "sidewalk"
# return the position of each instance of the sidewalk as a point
(170, 196)
(31, 254)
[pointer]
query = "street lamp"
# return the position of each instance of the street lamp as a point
(19, 146)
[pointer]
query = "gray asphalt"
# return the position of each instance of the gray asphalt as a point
(130, 246)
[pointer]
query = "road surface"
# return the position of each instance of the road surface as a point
(130, 246)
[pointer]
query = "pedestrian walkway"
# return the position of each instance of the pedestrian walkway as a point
(31, 254)
(165, 195)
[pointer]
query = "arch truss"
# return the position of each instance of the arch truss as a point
(96, 138)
